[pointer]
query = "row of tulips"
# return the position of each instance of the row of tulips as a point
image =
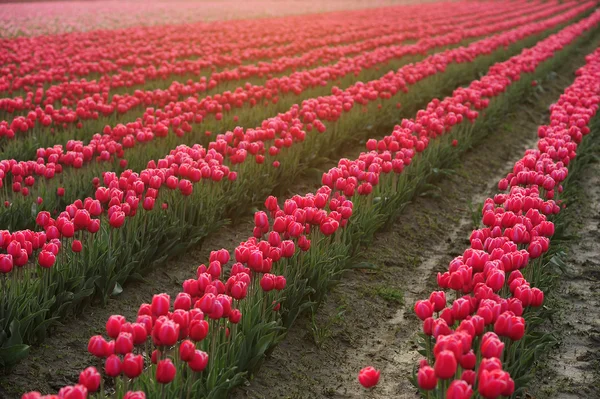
(210, 110)
(269, 141)
(52, 276)
(184, 220)
(281, 91)
(83, 100)
(235, 310)
(46, 59)
(478, 343)
(27, 19)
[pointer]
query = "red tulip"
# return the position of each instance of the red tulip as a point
(198, 330)
(97, 346)
(235, 316)
(495, 383)
(368, 377)
(134, 395)
(161, 304)
(491, 346)
(426, 378)
(6, 263)
(133, 365)
(76, 246)
(112, 366)
(186, 350)
(445, 365)
(459, 389)
(73, 392)
(423, 309)
(184, 301)
(165, 371)
(124, 343)
(113, 325)
(90, 378)
(117, 219)
(46, 259)
(199, 361)
(267, 282)
(438, 300)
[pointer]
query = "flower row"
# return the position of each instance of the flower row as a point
(69, 94)
(47, 59)
(475, 342)
(274, 134)
(116, 244)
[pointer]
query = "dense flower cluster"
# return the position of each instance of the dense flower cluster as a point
(234, 148)
(82, 100)
(206, 327)
(469, 340)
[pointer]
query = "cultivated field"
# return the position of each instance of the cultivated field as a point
(262, 199)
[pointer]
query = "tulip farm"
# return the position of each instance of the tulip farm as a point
(295, 199)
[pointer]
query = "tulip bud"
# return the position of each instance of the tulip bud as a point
(186, 350)
(423, 309)
(459, 389)
(124, 343)
(161, 304)
(198, 330)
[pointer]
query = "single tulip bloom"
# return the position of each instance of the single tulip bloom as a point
(368, 377)
(90, 378)
(133, 365)
(165, 371)
(186, 350)
(445, 365)
(113, 366)
(459, 389)
(199, 361)
(426, 378)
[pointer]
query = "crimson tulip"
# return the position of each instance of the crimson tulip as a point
(165, 371)
(368, 377)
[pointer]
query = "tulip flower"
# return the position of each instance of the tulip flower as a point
(459, 389)
(199, 361)
(165, 371)
(426, 378)
(445, 365)
(368, 377)
(113, 366)
(90, 378)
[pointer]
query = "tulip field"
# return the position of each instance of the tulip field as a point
(346, 199)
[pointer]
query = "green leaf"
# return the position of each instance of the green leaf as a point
(9, 356)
